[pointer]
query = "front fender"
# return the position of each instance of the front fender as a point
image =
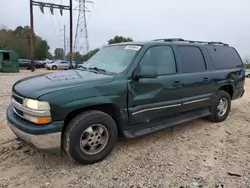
(87, 102)
(65, 101)
(120, 109)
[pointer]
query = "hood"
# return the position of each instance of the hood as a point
(34, 87)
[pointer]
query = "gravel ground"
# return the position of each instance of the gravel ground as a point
(196, 154)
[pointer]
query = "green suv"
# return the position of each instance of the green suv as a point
(131, 89)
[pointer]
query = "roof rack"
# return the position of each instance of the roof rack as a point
(189, 41)
(170, 39)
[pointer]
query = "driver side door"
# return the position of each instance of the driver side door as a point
(151, 99)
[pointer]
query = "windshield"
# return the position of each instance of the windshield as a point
(51, 62)
(114, 59)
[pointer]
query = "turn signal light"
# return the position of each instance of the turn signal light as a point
(43, 120)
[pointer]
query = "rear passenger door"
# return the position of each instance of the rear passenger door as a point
(63, 65)
(195, 78)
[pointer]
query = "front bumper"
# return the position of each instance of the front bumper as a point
(46, 138)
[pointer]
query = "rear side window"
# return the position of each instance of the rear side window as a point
(192, 59)
(224, 57)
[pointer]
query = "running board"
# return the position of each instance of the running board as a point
(147, 128)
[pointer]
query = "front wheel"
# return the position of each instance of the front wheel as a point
(54, 67)
(221, 107)
(90, 137)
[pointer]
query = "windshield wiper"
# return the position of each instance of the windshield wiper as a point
(82, 68)
(100, 70)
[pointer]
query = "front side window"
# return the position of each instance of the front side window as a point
(114, 59)
(161, 58)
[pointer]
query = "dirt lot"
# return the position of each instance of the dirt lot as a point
(196, 154)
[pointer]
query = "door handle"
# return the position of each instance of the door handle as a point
(176, 83)
(205, 80)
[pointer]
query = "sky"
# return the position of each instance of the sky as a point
(214, 20)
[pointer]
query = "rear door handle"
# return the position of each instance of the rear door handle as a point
(205, 80)
(176, 83)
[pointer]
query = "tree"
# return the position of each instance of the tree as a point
(58, 53)
(119, 39)
(19, 41)
(87, 56)
(49, 55)
(247, 66)
(9, 40)
(19, 29)
(41, 48)
(77, 56)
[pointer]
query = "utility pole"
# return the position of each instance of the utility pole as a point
(71, 31)
(32, 37)
(51, 6)
(64, 41)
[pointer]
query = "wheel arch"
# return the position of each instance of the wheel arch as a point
(229, 89)
(109, 108)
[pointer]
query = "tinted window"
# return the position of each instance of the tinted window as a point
(161, 58)
(6, 56)
(192, 59)
(224, 57)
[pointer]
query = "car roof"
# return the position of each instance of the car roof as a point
(173, 41)
(10, 51)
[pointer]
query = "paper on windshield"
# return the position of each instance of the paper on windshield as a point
(133, 47)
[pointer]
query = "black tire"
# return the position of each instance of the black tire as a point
(54, 67)
(248, 75)
(79, 125)
(221, 95)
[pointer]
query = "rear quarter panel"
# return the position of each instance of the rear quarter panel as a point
(229, 76)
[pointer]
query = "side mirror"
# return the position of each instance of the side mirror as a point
(147, 72)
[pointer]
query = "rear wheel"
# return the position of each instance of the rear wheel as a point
(90, 137)
(221, 107)
(248, 75)
(54, 67)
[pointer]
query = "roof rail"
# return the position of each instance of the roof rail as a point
(170, 39)
(189, 41)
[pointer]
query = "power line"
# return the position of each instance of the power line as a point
(103, 5)
(51, 6)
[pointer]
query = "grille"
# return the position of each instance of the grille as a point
(18, 112)
(17, 99)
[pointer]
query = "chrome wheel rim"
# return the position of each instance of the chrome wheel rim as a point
(94, 139)
(222, 107)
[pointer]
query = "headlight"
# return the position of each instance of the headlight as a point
(36, 105)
